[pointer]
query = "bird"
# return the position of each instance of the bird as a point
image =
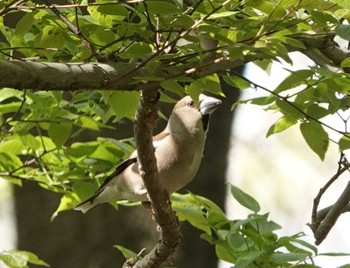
(178, 150)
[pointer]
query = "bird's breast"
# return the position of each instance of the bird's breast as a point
(178, 162)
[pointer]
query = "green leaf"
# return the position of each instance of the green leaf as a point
(317, 112)
(9, 107)
(59, 133)
(222, 14)
(50, 37)
(343, 30)
(108, 15)
(285, 258)
(344, 143)
(173, 86)
(127, 253)
(162, 7)
(7, 93)
(188, 209)
(87, 122)
(245, 199)
(123, 103)
(237, 82)
(345, 63)
(246, 258)
(13, 145)
(281, 124)
(20, 259)
(223, 252)
(194, 90)
(323, 19)
(68, 201)
(9, 161)
(316, 137)
(293, 80)
(290, 109)
(136, 50)
(30, 141)
(211, 83)
(342, 3)
(334, 254)
(80, 150)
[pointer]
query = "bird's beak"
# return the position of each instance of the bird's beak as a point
(207, 105)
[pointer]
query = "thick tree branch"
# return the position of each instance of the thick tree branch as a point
(324, 42)
(120, 76)
(103, 76)
(163, 214)
(323, 212)
(332, 215)
(322, 221)
(62, 76)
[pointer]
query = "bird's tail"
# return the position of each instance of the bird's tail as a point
(86, 205)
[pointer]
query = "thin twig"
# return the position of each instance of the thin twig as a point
(72, 28)
(10, 6)
(180, 36)
(76, 5)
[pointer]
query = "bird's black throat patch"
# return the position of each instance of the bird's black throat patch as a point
(205, 120)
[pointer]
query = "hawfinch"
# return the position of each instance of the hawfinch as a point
(178, 150)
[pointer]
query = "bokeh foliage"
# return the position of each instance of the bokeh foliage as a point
(42, 132)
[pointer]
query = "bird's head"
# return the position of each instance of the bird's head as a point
(189, 117)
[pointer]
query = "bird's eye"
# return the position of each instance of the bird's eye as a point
(190, 103)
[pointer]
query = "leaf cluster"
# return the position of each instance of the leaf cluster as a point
(179, 46)
(45, 138)
(249, 242)
(306, 98)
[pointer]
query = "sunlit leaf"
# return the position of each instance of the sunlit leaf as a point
(245, 199)
(281, 124)
(124, 103)
(127, 253)
(344, 143)
(237, 82)
(87, 122)
(345, 63)
(60, 132)
(294, 79)
(20, 259)
(342, 3)
(316, 137)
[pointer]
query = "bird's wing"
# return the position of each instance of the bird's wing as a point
(119, 169)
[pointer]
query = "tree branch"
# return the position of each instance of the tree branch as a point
(323, 221)
(332, 215)
(163, 214)
(104, 76)
(121, 76)
(62, 76)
